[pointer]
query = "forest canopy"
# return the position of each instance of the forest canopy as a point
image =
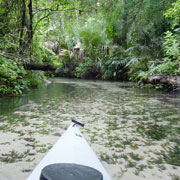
(107, 39)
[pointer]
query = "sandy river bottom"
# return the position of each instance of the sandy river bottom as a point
(133, 132)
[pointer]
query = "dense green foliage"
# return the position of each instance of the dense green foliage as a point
(14, 79)
(11, 77)
(138, 34)
(121, 39)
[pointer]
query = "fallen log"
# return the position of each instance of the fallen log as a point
(39, 66)
(171, 81)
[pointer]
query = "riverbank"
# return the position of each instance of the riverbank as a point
(168, 82)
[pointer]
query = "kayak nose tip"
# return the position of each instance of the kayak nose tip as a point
(77, 123)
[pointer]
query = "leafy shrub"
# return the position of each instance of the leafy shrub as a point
(47, 56)
(170, 64)
(35, 78)
(93, 34)
(8, 44)
(112, 66)
(43, 54)
(88, 67)
(12, 77)
(174, 13)
(80, 70)
(171, 45)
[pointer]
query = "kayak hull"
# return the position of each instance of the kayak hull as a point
(70, 148)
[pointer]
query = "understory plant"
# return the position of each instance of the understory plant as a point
(113, 66)
(88, 67)
(92, 36)
(12, 77)
(43, 54)
(170, 64)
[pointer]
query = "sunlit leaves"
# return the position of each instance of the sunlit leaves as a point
(174, 13)
(172, 45)
(11, 77)
(92, 33)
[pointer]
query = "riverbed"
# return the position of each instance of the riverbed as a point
(135, 133)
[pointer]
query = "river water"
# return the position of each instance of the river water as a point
(135, 133)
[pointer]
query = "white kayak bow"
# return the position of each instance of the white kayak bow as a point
(70, 148)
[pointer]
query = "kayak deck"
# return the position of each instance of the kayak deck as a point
(70, 148)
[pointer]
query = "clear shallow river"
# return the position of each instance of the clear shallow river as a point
(135, 133)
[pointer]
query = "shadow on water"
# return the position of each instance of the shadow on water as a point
(44, 93)
(53, 92)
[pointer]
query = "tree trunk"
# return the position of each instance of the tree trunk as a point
(21, 44)
(30, 30)
(39, 66)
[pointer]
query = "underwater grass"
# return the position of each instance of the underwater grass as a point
(13, 156)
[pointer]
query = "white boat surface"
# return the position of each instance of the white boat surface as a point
(72, 147)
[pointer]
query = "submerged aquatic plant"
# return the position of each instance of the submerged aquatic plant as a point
(110, 160)
(173, 155)
(13, 156)
(157, 132)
